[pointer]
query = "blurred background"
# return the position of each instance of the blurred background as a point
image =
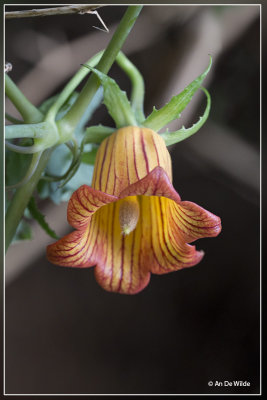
(63, 333)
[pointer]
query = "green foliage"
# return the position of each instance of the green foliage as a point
(80, 170)
(96, 134)
(184, 133)
(172, 110)
(67, 118)
(45, 106)
(71, 164)
(40, 218)
(115, 100)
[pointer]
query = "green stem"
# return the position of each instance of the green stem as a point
(27, 110)
(21, 198)
(27, 130)
(71, 119)
(138, 87)
(71, 86)
(23, 194)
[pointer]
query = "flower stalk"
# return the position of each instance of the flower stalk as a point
(138, 87)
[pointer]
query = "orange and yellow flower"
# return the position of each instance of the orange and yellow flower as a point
(131, 222)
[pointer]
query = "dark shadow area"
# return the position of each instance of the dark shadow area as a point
(64, 334)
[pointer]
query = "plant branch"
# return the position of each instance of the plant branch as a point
(71, 119)
(28, 111)
(71, 86)
(44, 12)
(27, 130)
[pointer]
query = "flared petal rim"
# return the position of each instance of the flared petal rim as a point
(74, 250)
(156, 183)
(192, 220)
(84, 202)
(158, 244)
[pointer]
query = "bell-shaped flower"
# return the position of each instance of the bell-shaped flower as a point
(131, 222)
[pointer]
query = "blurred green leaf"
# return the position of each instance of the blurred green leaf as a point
(40, 218)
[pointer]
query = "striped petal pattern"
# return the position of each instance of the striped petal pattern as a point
(126, 157)
(133, 161)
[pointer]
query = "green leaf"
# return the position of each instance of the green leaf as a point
(183, 133)
(96, 134)
(115, 100)
(159, 118)
(40, 218)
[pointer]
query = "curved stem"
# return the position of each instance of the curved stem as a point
(71, 119)
(27, 110)
(23, 149)
(138, 87)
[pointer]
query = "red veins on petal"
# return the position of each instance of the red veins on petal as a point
(132, 174)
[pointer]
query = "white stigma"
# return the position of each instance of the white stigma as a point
(129, 214)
